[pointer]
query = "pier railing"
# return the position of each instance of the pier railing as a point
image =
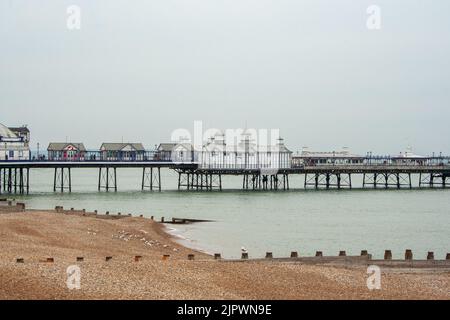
(94, 156)
(102, 156)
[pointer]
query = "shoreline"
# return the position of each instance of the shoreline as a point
(184, 241)
(36, 235)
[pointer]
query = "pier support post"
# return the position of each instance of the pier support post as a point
(10, 180)
(107, 178)
(152, 180)
(62, 179)
(193, 179)
(15, 180)
(28, 181)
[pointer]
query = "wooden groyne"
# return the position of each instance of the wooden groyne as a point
(361, 260)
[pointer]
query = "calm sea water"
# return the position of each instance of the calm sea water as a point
(279, 221)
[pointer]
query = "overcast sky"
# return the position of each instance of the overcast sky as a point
(136, 70)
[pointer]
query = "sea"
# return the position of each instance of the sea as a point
(280, 221)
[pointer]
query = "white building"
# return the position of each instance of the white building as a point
(409, 158)
(12, 146)
(315, 158)
(216, 154)
(184, 152)
(246, 154)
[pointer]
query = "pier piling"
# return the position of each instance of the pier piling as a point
(107, 178)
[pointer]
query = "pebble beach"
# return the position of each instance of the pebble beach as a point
(145, 262)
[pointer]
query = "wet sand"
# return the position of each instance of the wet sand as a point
(37, 235)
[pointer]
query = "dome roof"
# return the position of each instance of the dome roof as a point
(6, 133)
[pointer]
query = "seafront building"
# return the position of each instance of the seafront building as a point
(122, 152)
(315, 158)
(217, 154)
(409, 158)
(14, 143)
(246, 154)
(164, 151)
(66, 151)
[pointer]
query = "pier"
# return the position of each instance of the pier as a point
(194, 176)
(15, 175)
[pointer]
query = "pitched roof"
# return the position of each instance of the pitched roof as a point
(186, 146)
(5, 132)
(120, 146)
(166, 146)
(60, 146)
(22, 129)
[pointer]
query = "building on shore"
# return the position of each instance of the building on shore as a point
(316, 158)
(66, 151)
(122, 152)
(14, 147)
(22, 132)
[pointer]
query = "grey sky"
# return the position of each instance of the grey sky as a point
(139, 69)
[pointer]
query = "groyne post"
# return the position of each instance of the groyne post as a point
(408, 254)
(387, 255)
